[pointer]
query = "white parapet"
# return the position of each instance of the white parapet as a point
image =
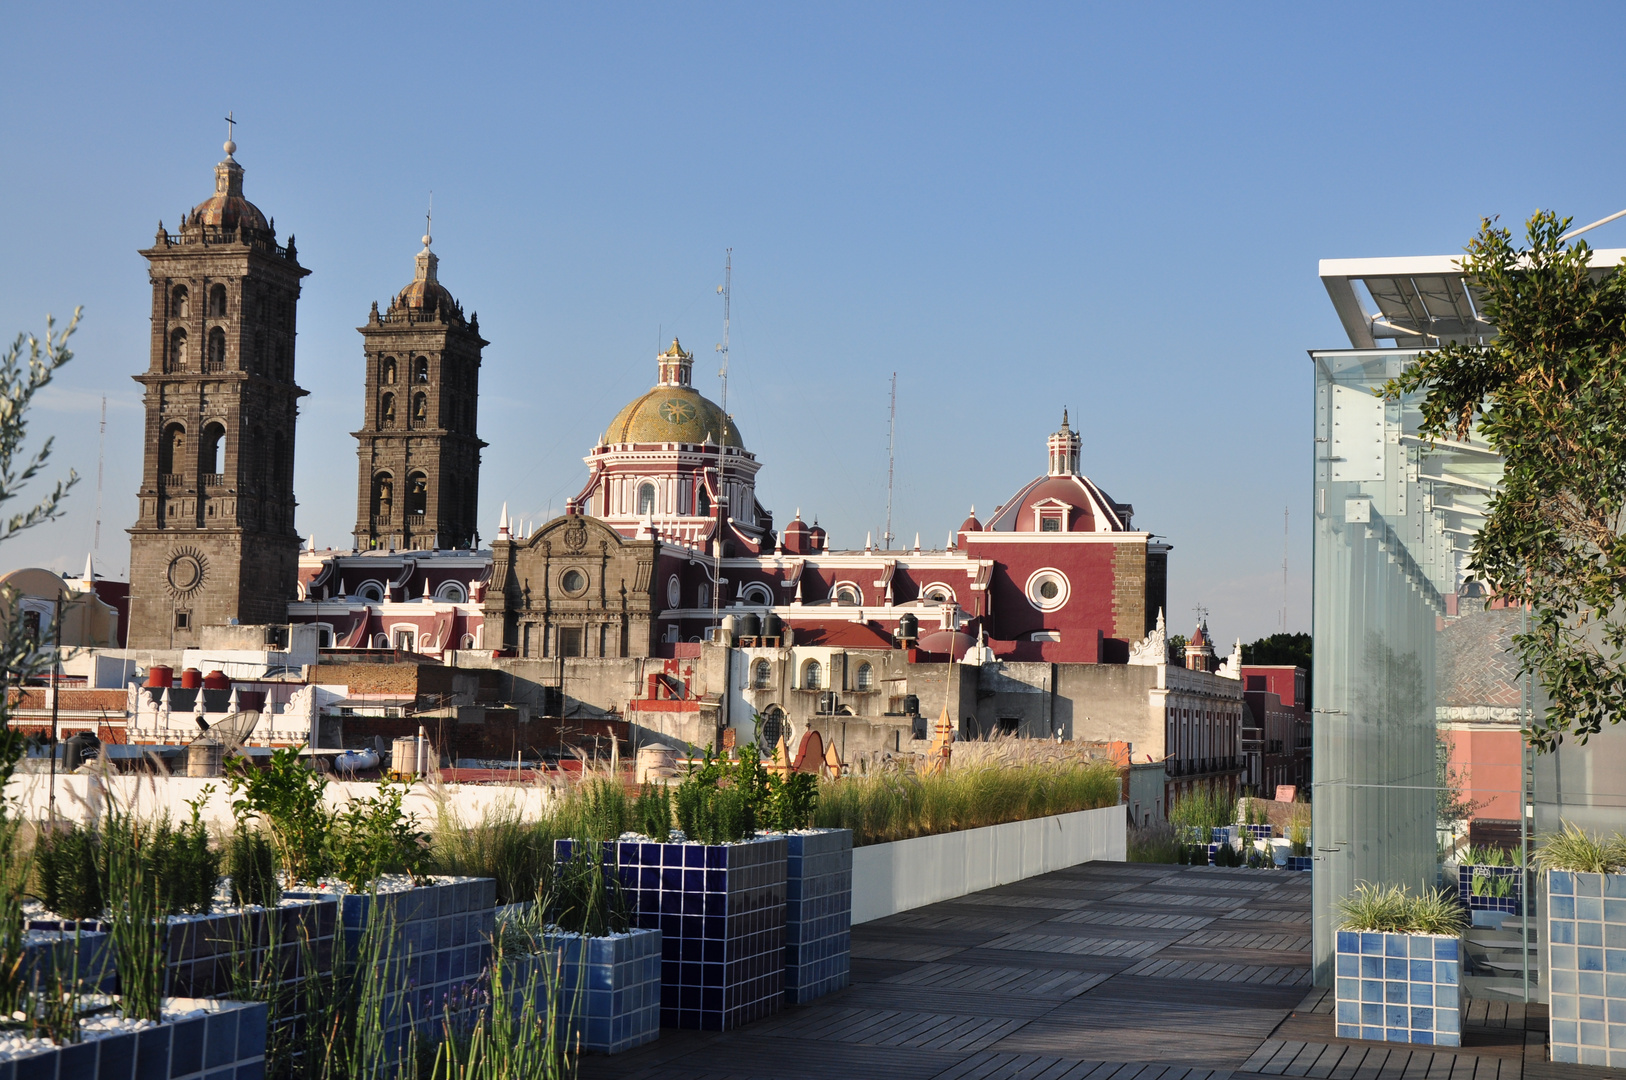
(905, 874)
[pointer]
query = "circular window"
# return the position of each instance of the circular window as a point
(573, 581)
(674, 591)
(1047, 589)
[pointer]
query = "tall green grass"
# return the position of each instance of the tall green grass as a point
(1204, 809)
(898, 806)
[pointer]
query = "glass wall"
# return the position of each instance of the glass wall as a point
(1417, 700)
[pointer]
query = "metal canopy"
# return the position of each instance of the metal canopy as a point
(1421, 300)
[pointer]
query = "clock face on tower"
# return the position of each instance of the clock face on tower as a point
(677, 411)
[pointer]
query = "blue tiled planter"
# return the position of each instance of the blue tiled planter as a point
(610, 997)
(228, 1043)
(92, 966)
(1399, 988)
(440, 947)
(1511, 903)
(818, 913)
(720, 909)
(1300, 862)
(1259, 832)
(1586, 935)
(202, 951)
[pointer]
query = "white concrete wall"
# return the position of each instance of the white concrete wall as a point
(83, 796)
(889, 878)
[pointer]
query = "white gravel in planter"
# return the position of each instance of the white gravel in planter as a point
(104, 1025)
(385, 883)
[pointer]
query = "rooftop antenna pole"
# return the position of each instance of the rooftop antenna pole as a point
(727, 291)
(1286, 510)
(891, 433)
(101, 453)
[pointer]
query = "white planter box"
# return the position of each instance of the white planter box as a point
(905, 874)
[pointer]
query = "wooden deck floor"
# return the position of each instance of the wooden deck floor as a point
(1106, 971)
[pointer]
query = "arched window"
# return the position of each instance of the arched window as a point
(420, 370)
(386, 371)
(209, 452)
(849, 595)
(703, 503)
(177, 350)
(386, 410)
(178, 306)
(217, 350)
(217, 301)
(172, 450)
(646, 498)
(812, 675)
(417, 494)
(452, 592)
(758, 594)
(771, 730)
(761, 675)
(420, 410)
(371, 590)
(324, 637)
(467, 642)
(383, 497)
(380, 641)
(864, 678)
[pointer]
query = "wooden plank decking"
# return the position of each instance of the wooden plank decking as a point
(1106, 971)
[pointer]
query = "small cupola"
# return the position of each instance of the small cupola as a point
(1064, 446)
(676, 366)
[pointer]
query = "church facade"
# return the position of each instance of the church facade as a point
(667, 539)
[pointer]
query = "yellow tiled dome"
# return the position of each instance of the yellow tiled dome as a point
(675, 414)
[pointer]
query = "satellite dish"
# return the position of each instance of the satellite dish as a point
(230, 732)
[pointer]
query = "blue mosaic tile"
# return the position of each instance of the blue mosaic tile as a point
(1397, 998)
(1511, 904)
(723, 952)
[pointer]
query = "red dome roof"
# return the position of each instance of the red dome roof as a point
(227, 208)
(795, 536)
(971, 524)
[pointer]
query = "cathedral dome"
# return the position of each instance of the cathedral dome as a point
(673, 414)
(674, 411)
(226, 208)
(424, 294)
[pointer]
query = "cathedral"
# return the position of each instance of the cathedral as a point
(664, 545)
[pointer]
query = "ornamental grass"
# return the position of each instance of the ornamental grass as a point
(897, 806)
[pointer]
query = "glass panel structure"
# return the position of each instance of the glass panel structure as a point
(1417, 700)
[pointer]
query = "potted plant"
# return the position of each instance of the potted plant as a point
(606, 972)
(1491, 879)
(717, 894)
(1586, 909)
(818, 889)
(1399, 966)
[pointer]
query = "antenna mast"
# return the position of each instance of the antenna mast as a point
(891, 432)
(101, 453)
(727, 291)
(1285, 511)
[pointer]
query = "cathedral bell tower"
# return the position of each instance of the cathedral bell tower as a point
(419, 479)
(215, 541)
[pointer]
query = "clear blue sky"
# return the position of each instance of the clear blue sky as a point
(1113, 208)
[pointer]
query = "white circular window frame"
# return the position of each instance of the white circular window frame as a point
(674, 591)
(1037, 578)
(758, 594)
(925, 594)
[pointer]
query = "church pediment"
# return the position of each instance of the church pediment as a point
(575, 533)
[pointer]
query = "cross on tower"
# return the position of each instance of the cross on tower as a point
(1202, 614)
(230, 126)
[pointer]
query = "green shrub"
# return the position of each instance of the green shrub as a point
(1573, 848)
(1206, 808)
(372, 837)
(287, 797)
(1155, 844)
(252, 866)
(585, 896)
(598, 810)
(1396, 910)
(792, 801)
(502, 845)
(896, 806)
(68, 871)
(652, 812)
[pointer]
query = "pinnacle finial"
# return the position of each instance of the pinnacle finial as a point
(1064, 417)
(428, 220)
(230, 147)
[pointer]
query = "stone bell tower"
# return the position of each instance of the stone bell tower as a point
(419, 479)
(215, 540)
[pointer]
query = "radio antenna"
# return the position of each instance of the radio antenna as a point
(891, 433)
(101, 454)
(1286, 510)
(727, 291)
